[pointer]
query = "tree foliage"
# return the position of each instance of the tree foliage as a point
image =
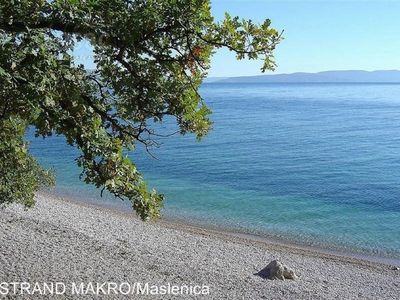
(151, 57)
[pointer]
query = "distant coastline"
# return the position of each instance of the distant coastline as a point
(350, 76)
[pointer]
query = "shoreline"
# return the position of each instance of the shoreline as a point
(201, 228)
(272, 241)
(59, 240)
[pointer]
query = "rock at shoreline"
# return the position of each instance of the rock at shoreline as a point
(277, 270)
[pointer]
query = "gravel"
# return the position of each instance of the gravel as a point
(62, 241)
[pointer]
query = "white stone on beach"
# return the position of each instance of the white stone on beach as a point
(277, 270)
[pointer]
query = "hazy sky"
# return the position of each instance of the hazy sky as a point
(319, 35)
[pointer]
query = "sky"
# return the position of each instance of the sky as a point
(319, 35)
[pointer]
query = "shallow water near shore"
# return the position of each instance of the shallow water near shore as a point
(318, 164)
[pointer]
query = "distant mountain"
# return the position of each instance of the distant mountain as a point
(214, 79)
(391, 76)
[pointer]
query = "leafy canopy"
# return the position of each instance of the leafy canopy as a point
(151, 57)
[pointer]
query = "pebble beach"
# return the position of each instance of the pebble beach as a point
(62, 241)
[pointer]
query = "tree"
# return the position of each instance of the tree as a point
(151, 57)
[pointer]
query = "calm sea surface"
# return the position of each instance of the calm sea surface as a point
(318, 164)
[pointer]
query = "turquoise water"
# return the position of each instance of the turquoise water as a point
(318, 164)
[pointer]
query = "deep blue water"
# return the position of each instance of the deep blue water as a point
(315, 163)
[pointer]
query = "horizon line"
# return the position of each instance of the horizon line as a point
(304, 72)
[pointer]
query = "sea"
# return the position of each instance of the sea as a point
(316, 164)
